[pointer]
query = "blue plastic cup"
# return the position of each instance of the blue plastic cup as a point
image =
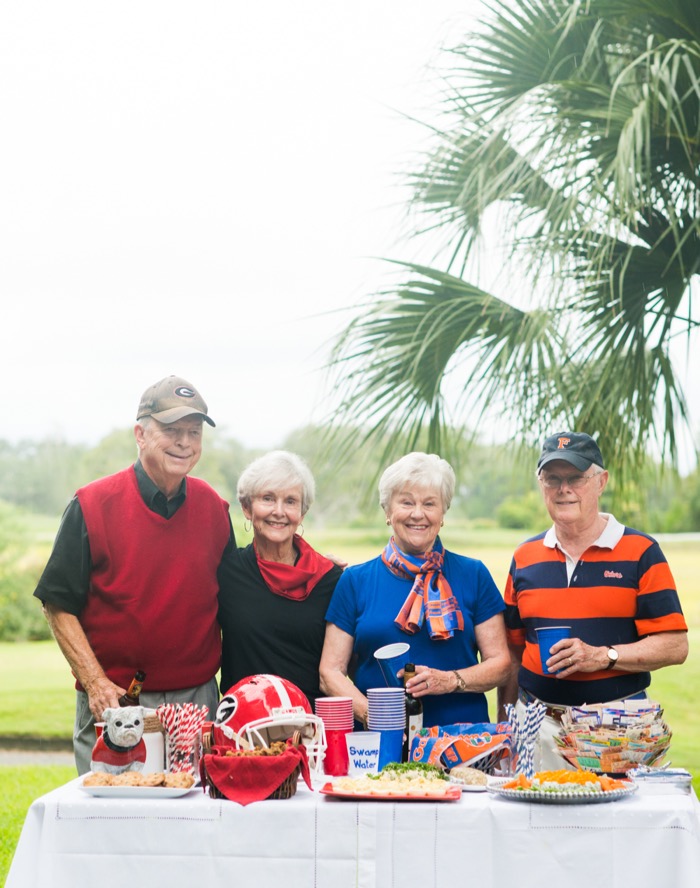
(392, 659)
(547, 637)
(390, 747)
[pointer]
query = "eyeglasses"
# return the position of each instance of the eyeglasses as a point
(554, 482)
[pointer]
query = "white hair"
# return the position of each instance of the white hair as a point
(424, 470)
(277, 470)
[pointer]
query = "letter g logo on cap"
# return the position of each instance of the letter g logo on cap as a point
(183, 392)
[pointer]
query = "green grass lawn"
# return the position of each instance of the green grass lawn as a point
(36, 672)
(20, 787)
(37, 696)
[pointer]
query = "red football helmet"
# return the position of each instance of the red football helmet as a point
(260, 709)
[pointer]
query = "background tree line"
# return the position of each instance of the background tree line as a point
(496, 489)
(496, 482)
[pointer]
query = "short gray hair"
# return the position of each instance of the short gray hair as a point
(276, 470)
(426, 470)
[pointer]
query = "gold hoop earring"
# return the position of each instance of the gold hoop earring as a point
(388, 523)
(249, 527)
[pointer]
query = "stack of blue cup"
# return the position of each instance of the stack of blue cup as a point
(386, 713)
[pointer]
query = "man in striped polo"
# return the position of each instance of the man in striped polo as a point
(610, 583)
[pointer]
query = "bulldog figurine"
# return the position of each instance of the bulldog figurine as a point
(121, 746)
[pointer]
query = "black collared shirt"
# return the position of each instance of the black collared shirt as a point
(66, 578)
(154, 498)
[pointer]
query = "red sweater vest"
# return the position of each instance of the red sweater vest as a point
(152, 602)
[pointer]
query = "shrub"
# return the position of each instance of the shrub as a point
(522, 513)
(21, 617)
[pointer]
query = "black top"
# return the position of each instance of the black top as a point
(66, 578)
(268, 633)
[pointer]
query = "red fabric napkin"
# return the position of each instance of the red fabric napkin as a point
(247, 778)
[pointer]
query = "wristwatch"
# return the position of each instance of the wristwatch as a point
(613, 657)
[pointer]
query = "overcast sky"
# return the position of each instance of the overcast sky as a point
(196, 188)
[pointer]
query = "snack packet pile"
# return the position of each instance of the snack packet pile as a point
(614, 739)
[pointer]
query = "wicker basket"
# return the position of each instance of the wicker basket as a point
(152, 725)
(284, 791)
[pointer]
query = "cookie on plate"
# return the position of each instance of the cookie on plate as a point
(98, 778)
(156, 779)
(179, 780)
(128, 778)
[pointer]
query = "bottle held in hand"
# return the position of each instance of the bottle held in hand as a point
(131, 697)
(414, 712)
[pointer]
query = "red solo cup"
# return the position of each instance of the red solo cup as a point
(335, 714)
(337, 724)
(328, 705)
(336, 761)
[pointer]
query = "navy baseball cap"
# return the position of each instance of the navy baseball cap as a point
(576, 448)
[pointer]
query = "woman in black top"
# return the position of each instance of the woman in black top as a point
(274, 593)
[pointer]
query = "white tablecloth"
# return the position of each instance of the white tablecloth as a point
(71, 839)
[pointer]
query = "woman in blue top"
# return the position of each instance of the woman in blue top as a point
(446, 606)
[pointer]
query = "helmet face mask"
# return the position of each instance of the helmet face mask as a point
(262, 709)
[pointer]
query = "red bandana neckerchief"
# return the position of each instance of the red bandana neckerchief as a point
(430, 596)
(294, 581)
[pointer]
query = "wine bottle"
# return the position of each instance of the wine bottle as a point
(414, 713)
(131, 697)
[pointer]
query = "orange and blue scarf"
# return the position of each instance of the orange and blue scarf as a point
(430, 596)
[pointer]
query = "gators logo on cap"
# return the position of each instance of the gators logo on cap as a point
(563, 443)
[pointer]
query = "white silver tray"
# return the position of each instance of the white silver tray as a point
(136, 792)
(562, 798)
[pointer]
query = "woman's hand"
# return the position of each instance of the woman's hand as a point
(337, 560)
(430, 681)
(492, 671)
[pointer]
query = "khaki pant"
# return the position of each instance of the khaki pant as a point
(84, 728)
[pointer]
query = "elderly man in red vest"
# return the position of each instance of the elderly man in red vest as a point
(131, 582)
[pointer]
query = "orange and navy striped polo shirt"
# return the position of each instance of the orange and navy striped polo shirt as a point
(615, 596)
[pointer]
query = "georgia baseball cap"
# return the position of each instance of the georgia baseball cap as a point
(171, 399)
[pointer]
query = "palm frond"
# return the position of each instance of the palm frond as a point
(580, 123)
(404, 349)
